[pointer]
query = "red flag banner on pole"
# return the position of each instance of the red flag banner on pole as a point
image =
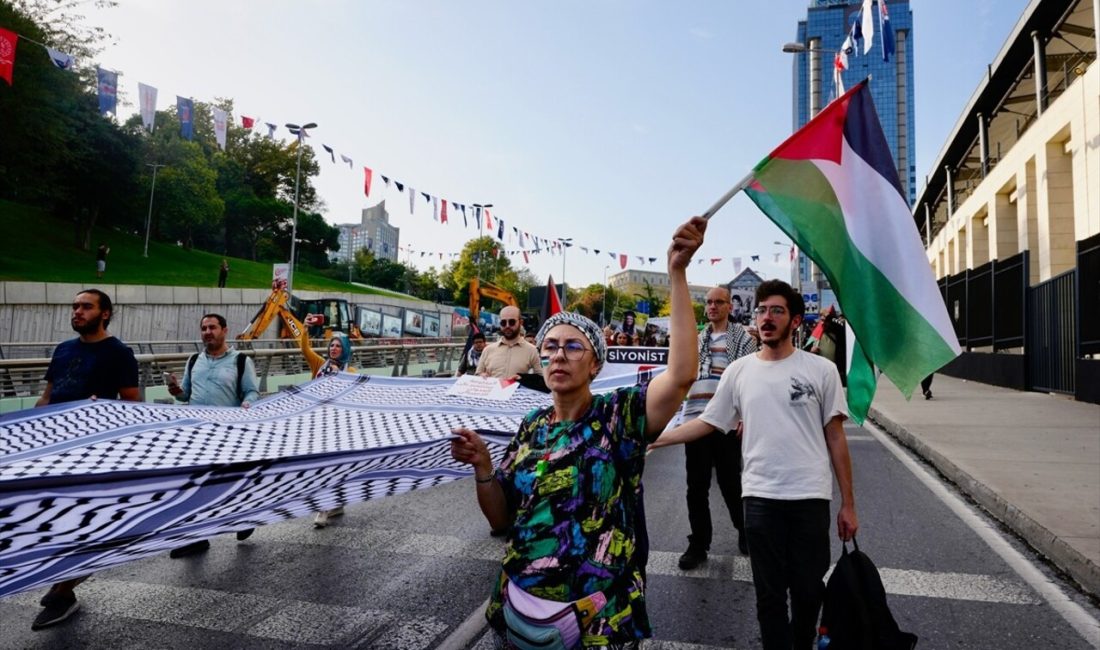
(488, 220)
(622, 261)
(367, 173)
(8, 41)
(551, 305)
(247, 122)
(443, 213)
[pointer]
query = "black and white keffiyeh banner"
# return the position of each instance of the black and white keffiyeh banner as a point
(90, 485)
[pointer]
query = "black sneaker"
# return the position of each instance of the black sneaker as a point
(245, 534)
(742, 543)
(56, 607)
(692, 558)
(191, 549)
(927, 394)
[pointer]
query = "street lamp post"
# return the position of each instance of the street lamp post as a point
(566, 242)
(480, 221)
(603, 306)
(149, 217)
(300, 131)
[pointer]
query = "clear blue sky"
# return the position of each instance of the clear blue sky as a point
(602, 120)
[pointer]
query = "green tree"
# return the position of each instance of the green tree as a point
(187, 195)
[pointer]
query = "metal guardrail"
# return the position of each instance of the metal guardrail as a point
(35, 350)
(26, 377)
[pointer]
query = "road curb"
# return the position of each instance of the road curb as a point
(1080, 568)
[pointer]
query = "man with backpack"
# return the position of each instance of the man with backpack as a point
(217, 376)
(792, 409)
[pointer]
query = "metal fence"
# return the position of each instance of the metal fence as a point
(988, 305)
(1088, 295)
(25, 377)
(1052, 335)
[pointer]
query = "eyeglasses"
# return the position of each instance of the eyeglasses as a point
(574, 350)
(508, 322)
(774, 310)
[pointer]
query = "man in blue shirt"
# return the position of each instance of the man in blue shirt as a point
(215, 377)
(93, 365)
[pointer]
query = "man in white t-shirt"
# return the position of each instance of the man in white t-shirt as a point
(721, 343)
(792, 410)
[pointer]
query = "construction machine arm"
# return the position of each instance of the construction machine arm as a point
(479, 288)
(276, 306)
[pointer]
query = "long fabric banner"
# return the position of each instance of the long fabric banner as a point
(90, 485)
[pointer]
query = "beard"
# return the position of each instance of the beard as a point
(90, 326)
(784, 334)
(512, 337)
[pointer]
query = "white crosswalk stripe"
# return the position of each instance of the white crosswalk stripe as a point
(299, 621)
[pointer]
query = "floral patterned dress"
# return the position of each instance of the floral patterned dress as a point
(574, 489)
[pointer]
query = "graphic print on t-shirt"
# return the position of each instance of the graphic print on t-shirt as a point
(801, 391)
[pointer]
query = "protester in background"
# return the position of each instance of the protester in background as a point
(512, 355)
(636, 340)
(622, 339)
(468, 365)
(223, 273)
(101, 259)
(218, 376)
(93, 365)
(568, 488)
(609, 335)
(720, 343)
(926, 386)
(337, 360)
(792, 409)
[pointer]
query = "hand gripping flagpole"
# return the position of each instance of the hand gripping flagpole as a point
(741, 184)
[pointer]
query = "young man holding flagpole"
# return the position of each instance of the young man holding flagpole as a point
(791, 407)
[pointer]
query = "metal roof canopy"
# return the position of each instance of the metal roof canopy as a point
(1008, 82)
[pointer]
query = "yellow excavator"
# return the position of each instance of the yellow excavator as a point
(314, 318)
(479, 288)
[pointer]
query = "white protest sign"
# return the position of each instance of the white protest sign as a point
(498, 390)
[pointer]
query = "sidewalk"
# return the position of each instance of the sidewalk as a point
(1031, 459)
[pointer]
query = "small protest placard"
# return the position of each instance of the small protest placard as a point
(498, 390)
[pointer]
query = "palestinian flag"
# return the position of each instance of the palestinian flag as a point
(833, 188)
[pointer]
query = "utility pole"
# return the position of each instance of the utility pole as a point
(149, 217)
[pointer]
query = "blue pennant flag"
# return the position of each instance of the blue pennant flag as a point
(107, 87)
(185, 108)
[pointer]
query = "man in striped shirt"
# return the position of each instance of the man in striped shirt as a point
(720, 343)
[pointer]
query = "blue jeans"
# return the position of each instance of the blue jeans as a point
(789, 553)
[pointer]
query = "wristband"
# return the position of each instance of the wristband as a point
(487, 479)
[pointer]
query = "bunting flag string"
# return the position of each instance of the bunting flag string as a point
(528, 243)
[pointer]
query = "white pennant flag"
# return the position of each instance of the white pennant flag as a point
(60, 59)
(147, 97)
(220, 126)
(412, 200)
(736, 265)
(868, 26)
(435, 208)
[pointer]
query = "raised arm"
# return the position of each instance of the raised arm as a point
(668, 389)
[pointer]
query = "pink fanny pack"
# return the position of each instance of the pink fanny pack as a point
(535, 622)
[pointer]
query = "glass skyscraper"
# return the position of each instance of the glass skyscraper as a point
(822, 34)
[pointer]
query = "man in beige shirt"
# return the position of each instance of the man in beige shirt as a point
(511, 355)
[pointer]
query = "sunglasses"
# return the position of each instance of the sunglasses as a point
(509, 321)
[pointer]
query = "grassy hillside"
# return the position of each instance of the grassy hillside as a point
(39, 247)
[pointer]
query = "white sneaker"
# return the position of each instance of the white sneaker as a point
(320, 520)
(336, 512)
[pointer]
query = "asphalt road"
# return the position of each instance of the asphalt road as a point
(414, 571)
